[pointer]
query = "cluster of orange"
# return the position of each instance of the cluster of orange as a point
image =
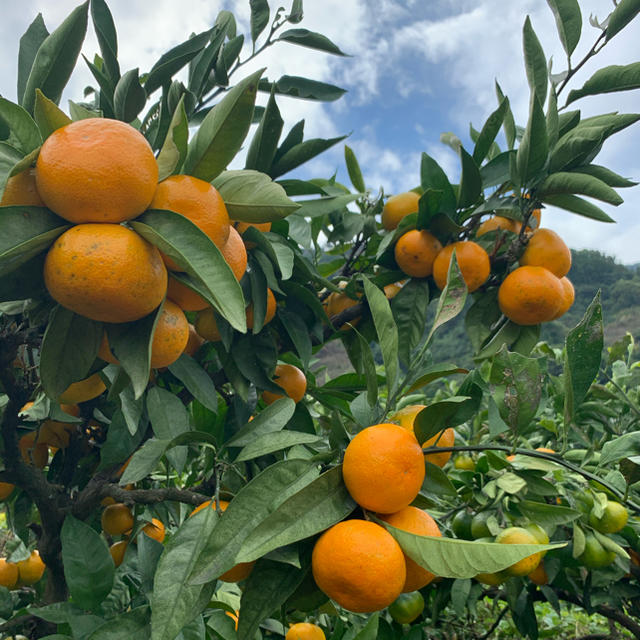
(19, 574)
(117, 520)
(536, 291)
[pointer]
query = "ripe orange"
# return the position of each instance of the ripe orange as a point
(359, 565)
(539, 575)
(269, 314)
(31, 569)
(32, 451)
(393, 289)
(518, 535)
(568, 297)
(117, 519)
(336, 303)
(196, 200)
(187, 299)
(291, 379)
(416, 521)
(155, 530)
(547, 249)
(235, 254)
(530, 295)
(397, 207)
(21, 190)
(416, 251)
(170, 336)
(472, 259)
(498, 222)
(383, 468)
(8, 573)
(105, 272)
(96, 170)
(6, 489)
(194, 342)
(243, 226)
(84, 390)
(206, 325)
(305, 631)
(242, 569)
(117, 551)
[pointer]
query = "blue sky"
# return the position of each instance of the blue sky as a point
(417, 69)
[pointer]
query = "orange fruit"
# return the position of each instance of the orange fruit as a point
(530, 295)
(234, 252)
(416, 521)
(84, 390)
(197, 200)
(397, 207)
(170, 336)
(416, 251)
(96, 170)
(31, 569)
(359, 565)
(187, 299)
(194, 342)
(472, 259)
(117, 551)
(21, 190)
(106, 501)
(8, 573)
(291, 379)
(105, 272)
(6, 489)
(242, 569)
(243, 226)
(568, 297)
(492, 579)
(206, 325)
(518, 535)
(269, 314)
(155, 530)
(336, 303)
(539, 575)
(32, 451)
(383, 468)
(55, 433)
(305, 631)
(117, 519)
(498, 222)
(393, 289)
(547, 249)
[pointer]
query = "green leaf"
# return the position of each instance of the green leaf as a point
(565, 182)
(583, 353)
(56, 58)
(353, 169)
(251, 196)
(298, 331)
(579, 206)
(622, 15)
(264, 144)
(201, 66)
(535, 62)
(129, 97)
(533, 149)
(624, 446)
(470, 181)
(385, 328)
(253, 503)
(322, 206)
(436, 482)
(271, 442)
(120, 443)
(105, 94)
(498, 170)
(133, 623)
(196, 380)
(226, 59)
(174, 149)
(69, 348)
(439, 416)
(568, 21)
(452, 558)
(167, 414)
(548, 515)
(184, 242)
(268, 587)
(409, 308)
(88, 567)
(369, 367)
(489, 132)
(609, 80)
(48, 116)
(432, 176)
(606, 175)
(508, 123)
(553, 123)
(223, 131)
(174, 60)
(26, 232)
(312, 40)
(107, 39)
(259, 17)
(175, 601)
(30, 42)
(24, 134)
(318, 506)
(301, 153)
(434, 372)
(144, 461)
(271, 419)
(81, 112)
(297, 87)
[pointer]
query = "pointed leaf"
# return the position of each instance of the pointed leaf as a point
(470, 181)
(311, 39)
(432, 176)
(196, 380)
(553, 123)
(622, 15)
(174, 149)
(24, 134)
(409, 308)
(508, 124)
(579, 206)
(264, 144)
(572, 182)
(606, 175)
(568, 21)
(533, 149)
(129, 97)
(369, 368)
(301, 153)
(439, 416)
(201, 66)
(535, 62)
(259, 17)
(489, 132)
(609, 80)
(452, 298)
(48, 115)
(271, 419)
(272, 442)
(297, 87)
(353, 169)
(30, 42)
(107, 39)
(133, 623)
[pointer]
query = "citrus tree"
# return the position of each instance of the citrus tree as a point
(177, 462)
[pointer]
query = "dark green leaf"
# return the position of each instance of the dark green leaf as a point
(436, 482)
(30, 42)
(120, 443)
(470, 181)
(368, 366)
(579, 206)
(353, 169)
(88, 567)
(301, 153)
(553, 124)
(299, 333)
(622, 15)
(439, 416)
(434, 372)
(48, 116)
(133, 623)
(24, 282)
(107, 39)
(533, 149)
(432, 176)
(167, 414)
(452, 298)
(227, 57)
(498, 170)
(223, 131)
(606, 175)
(535, 62)
(56, 58)
(508, 123)
(565, 182)
(298, 87)
(174, 60)
(322, 206)
(196, 380)
(201, 66)
(272, 442)
(428, 208)
(174, 149)
(259, 17)
(489, 132)
(106, 88)
(311, 39)
(129, 97)
(184, 242)
(609, 80)
(624, 446)
(569, 22)
(264, 144)
(271, 419)
(144, 461)
(24, 134)
(547, 515)
(567, 120)
(409, 308)
(296, 12)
